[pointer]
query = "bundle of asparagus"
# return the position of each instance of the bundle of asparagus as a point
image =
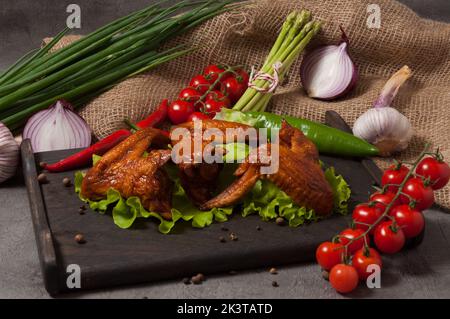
(296, 33)
(98, 61)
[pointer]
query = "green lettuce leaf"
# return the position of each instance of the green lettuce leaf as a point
(265, 199)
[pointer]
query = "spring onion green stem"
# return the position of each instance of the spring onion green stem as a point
(98, 61)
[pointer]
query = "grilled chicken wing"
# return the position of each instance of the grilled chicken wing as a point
(125, 169)
(299, 175)
(199, 180)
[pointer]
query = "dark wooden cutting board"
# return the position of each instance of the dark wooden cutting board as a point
(113, 256)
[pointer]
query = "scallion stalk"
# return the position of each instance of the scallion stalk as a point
(100, 60)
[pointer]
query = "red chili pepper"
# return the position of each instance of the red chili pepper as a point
(84, 157)
(157, 117)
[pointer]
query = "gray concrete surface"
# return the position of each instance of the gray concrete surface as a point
(418, 273)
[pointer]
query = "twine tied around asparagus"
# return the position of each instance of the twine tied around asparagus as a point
(273, 80)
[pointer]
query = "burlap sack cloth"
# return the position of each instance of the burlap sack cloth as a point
(246, 37)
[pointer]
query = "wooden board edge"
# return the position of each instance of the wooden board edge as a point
(43, 234)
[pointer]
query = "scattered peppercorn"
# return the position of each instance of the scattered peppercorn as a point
(201, 276)
(280, 221)
(325, 274)
(83, 207)
(79, 238)
(233, 237)
(222, 239)
(273, 271)
(275, 284)
(66, 181)
(197, 279)
(42, 178)
(224, 228)
(81, 211)
(186, 281)
(258, 228)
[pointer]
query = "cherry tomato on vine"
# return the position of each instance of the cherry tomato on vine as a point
(212, 72)
(348, 234)
(234, 88)
(200, 83)
(218, 96)
(189, 94)
(436, 170)
(410, 220)
(211, 106)
(382, 200)
(395, 174)
(416, 190)
(364, 258)
(344, 278)
(179, 111)
(329, 254)
(367, 214)
(241, 73)
(196, 116)
(389, 238)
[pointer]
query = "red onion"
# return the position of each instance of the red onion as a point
(56, 128)
(328, 72)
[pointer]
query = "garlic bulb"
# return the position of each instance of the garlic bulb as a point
(383, 126)
(9, 153)
(386, 128)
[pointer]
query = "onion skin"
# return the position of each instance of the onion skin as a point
(56, 128)
(9, 154)
(344, 80)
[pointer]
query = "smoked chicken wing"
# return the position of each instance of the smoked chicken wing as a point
(199, 179)
(299, 175)
(126, 169)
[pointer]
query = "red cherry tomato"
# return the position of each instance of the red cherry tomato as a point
(242, 74)
(196, 116)
(411, 221)
(437, 171)
(421, 194)
(344, 278)
(218, 96)
(200, 83)
(234, 87)
(349, 234)
(329, 254)
(179, 111)
(211, 107)
(364, 258)
(383, 200)
(212, 72)
(367, 214)
(389, 238)
(394, 175)
(189, 94)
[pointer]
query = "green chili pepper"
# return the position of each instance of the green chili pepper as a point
(327, 139)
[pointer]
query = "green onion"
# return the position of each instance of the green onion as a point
(98, 61)
(296, 33)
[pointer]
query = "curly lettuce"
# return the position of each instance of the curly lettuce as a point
(265, 199)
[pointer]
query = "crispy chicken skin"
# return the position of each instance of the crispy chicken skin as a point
(125, 169)
(299, 175)
(199, 180)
